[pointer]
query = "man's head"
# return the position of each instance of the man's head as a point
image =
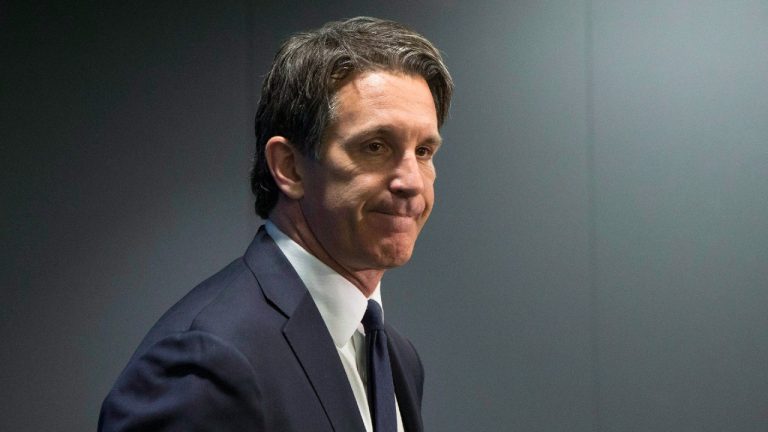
(298, 94)
(346, 130)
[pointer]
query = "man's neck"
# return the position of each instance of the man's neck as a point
(295, 227)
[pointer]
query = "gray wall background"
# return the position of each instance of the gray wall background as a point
(598, 256)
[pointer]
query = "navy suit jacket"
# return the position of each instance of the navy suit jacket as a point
(247, 350)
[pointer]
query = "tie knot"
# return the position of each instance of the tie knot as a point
(372, 320)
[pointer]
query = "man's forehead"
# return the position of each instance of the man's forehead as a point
(384, 90)
(373, 83)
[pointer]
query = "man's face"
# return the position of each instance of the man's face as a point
(371, 191)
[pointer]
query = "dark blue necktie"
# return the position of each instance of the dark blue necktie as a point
(381, 390)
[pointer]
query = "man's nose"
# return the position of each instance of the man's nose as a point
(407, 179)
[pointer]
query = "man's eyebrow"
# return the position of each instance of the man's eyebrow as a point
(389, 131)
(434, 140)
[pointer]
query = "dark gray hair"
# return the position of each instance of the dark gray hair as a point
(297, 96)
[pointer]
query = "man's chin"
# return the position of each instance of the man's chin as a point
(394, 256)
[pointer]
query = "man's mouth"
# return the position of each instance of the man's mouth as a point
(401, 211)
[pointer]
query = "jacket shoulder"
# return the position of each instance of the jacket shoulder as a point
(185, 381)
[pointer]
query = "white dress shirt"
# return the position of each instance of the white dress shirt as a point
(342, 306)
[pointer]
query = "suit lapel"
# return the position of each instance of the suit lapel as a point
(405, 385)
(310, 341)
(305, 332)
(313, 346)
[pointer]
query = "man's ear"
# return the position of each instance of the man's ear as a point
(283, 161)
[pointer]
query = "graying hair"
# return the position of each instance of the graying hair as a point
(297, 96)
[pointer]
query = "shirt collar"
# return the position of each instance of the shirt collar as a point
(341, 304)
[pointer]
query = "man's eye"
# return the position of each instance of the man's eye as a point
(375, 147)
(424, 152)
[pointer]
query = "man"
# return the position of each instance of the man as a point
(289, 337)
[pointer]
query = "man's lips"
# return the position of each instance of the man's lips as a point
(412, 211)
(398, 215)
